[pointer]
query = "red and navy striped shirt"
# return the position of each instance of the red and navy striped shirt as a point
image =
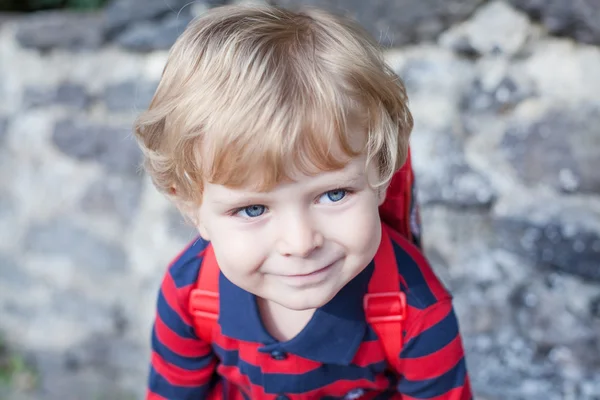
(336, 356)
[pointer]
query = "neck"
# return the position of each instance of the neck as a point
(281, 322)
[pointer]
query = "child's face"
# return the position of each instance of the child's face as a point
(300, 243)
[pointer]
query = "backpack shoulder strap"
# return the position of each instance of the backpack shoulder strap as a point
(204, 298)
(385, 304)
(398, 204)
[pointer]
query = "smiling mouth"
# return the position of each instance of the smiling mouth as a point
(317, 277)
(312, 273)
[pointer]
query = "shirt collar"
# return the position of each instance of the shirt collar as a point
(332, 336)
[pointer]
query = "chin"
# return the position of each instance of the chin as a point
(305, 300)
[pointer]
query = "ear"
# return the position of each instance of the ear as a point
(191, 214)
(197, 220)
(199, 223)
(202, 230)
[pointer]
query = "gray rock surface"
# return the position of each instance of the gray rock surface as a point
(48, 30)
(11, 274)
(156, 35)
(122, 14)
(496, 96)
(66, 94)
(578, 19)
(459, 186)
(557, 238)
(110, 146)
(130, 96)
(505, 149)
(114, 195)
(153, 25)
(561, 148)
(446, 178)
(3, 129)
(495, 28)
(395, 23)
(63, 238)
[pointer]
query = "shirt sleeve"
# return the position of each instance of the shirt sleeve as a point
(182, 365)
(432, 358)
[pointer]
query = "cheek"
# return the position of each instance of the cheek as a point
(367, 231)
(359, 230)
(237, 252)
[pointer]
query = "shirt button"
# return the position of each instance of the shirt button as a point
(279, 356)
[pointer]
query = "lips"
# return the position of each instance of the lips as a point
(313, 272)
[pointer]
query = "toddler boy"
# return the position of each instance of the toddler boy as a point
(277, 134)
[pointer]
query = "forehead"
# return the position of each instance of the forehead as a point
(355, 167)
(355, 171)
(266, 161)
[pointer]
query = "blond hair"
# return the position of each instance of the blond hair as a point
(249, 94)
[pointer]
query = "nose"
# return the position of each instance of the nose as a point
(299, 236)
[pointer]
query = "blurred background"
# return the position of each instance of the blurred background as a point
(506, 97)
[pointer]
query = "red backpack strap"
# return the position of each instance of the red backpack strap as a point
(385, 304)
(204, 298)
(396, 208)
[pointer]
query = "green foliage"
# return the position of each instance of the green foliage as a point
(14, 371)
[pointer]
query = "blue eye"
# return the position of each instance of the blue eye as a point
(334, 195)
(253, 211)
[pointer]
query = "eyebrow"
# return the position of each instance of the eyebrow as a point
(343, 178)
(235, 200)
(337, 179)
(351, 180)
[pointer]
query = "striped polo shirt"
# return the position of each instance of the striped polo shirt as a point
(336, 356)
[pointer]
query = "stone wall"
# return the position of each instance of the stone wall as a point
(506, 150)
